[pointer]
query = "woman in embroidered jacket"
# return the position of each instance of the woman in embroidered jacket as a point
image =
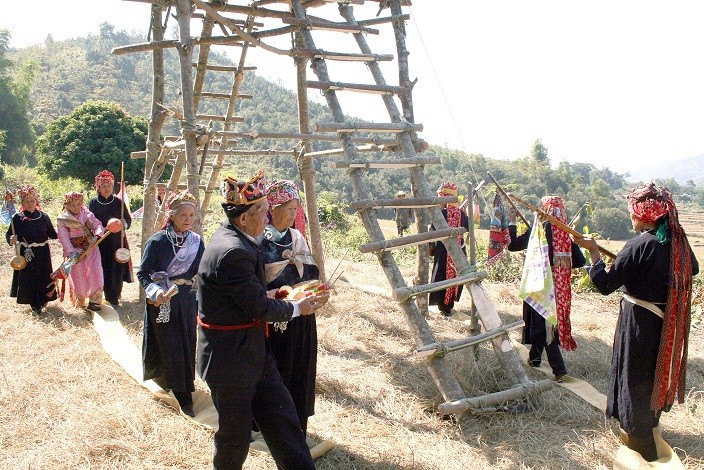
(288, 261)
(33, 229)
(170, 261)
(77, 229)
(106, 206)
(654, 271)
(443, 267)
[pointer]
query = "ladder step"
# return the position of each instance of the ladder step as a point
(217, 117)
(410, 240)
(441, 349)
(357, 87)
(342, 57)
(395, 127)
(224, 96)
(402, 294)
(360, 148)
(515, 393)
(410, 203)
(387, 19)
(401, 163)
(329, 26)
(225, 68)
(251, 153)
(298, 136)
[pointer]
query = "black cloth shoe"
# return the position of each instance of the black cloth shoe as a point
(36, 310)
(95, 307)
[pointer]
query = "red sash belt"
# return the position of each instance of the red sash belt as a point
(243, 326)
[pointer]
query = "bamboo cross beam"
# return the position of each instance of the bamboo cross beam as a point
(503, 193)
(402, 294)
(415, 239)
(559, 224)
(515, 393)
(441, 349)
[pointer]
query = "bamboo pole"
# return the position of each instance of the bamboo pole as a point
(305, 163)
(185, 52)
(347, 127)
(413, 203)
(503, 193)
(416, 239)
(391, 164)
(404, 293)
(515, 393)
(356, 87)
(441, 349)
(557, 223)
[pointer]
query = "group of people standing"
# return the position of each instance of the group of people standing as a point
(90, 272)
(215, 308)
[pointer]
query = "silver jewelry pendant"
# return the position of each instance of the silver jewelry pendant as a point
(280, 326)
(164, 313)
(28, 254)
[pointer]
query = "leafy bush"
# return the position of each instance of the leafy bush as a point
(331, 212)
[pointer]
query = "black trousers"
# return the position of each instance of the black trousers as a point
(267, 403)
(535, 334)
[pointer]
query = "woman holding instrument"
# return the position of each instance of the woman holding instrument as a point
(654, 271)
(169, 265)
(106, 206)
(77, 230)
(31, 229)
(564, 256)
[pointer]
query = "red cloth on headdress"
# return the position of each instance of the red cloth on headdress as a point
(102, 177)
(561, 270)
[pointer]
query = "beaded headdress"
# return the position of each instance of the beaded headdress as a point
(104, 177)
(555, 206)
(280, 192)
(447, 189)
(72, 197)
(25, 191)
(178, 199)
(239, 193)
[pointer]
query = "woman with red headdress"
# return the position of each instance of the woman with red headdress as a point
(167, 271)
(77, 229)
(654, 271)
(32, 230)
(106, 206)
(288, 261)
(564, 256)
(443, 267)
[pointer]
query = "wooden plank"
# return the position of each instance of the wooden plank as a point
(441, 349)
(410, 240)
(329, 26)
(345, 127)
(356, 87)
(401, 163)
(410, 202)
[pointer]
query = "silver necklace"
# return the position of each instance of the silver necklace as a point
(177, 242)
(105, 203)
(27, 218)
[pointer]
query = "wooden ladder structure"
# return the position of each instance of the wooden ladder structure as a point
(404, 142)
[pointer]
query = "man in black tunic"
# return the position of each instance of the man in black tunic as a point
(233, 357)
(106, 206)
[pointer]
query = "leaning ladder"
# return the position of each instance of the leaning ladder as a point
(423, 198)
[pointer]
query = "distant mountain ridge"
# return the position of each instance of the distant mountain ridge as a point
(682, 170)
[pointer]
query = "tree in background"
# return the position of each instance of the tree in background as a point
(97, 135)
(16, 135)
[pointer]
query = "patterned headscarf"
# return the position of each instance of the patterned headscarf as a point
(561, 270)
(25, 191)
(280, 192)
(648, 203)
(71, 197)
(104, 177)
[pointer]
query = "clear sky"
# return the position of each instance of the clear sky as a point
(614, 83)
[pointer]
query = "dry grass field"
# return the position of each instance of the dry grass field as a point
(65, 404)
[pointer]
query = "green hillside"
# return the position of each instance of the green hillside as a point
(68, 73)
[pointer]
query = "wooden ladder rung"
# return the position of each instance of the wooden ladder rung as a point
(386, 19)
(224, 96)
(391, 164)
(395, 127)
(329, 26)
(225, 68)
(360, 148)
(402, 294)
(441, 349)
(298, 136)
(250, 153)
(515, 393)
(341, 57)
(410, 240)
(409, 203)
(357, 87)
(217, 117)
